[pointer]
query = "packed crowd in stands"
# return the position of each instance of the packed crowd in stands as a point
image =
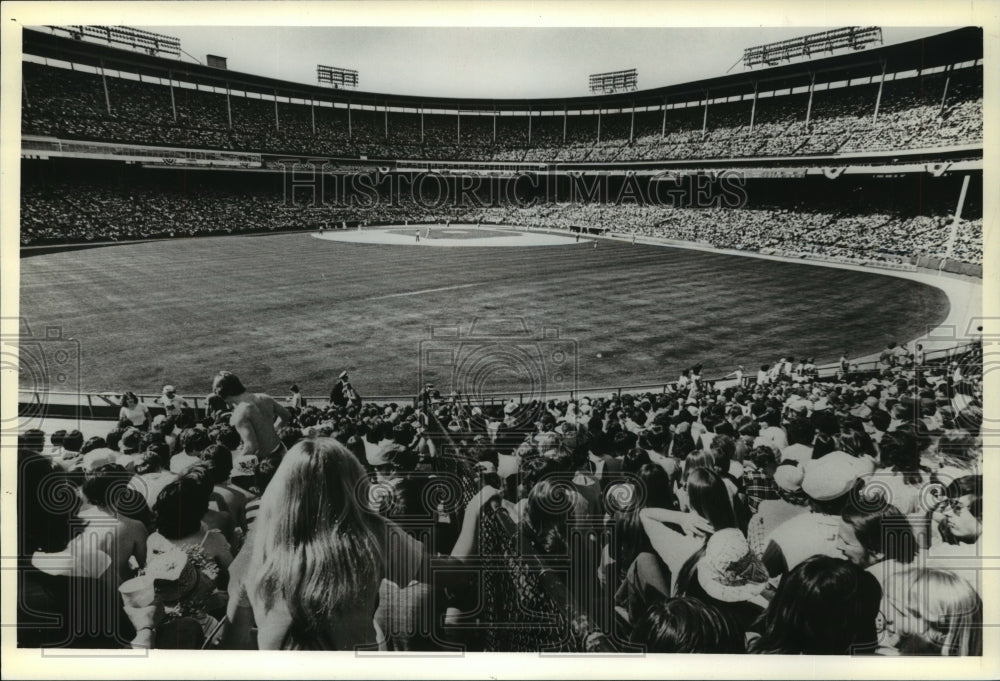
(787, 515)
(913, 113)
(83, 212)
(866, 238)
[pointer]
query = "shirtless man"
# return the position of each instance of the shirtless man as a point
(256, 417)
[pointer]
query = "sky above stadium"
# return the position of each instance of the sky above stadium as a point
(487, 61)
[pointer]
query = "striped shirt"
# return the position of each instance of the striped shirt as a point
(251, 511)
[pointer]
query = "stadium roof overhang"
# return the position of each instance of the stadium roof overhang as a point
(951, 47)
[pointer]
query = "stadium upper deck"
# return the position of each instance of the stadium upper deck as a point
(920, 95)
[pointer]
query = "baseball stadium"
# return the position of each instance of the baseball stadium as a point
(694, 368)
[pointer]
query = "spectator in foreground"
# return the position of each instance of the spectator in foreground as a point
(57, 569)
(824, 606)
(227, 496)
(958, 521)
(179, 510)
(938, 614)
(727, 575)
(686, 625)
(310, 575)
(106, 525)
(758, 477)
(771, 513)
(656, 575)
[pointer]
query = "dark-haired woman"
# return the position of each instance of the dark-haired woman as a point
(904, 476)
(876, 533)
(687, 625)
(652, 488)
(136, 413)
(710, 510)
(657, 573)
(824, 606)
(545, 523)
(542, 543)
(179, 510)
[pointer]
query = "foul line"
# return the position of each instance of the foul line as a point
(427, 290)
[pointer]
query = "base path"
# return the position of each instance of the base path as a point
(452, 236)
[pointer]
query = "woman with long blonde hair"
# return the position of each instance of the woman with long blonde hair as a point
(317, 556)
(940, 614)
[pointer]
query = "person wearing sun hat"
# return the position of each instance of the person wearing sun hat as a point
(828, 482)
(175, 582)
(729, 576)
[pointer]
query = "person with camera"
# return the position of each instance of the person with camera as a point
(343, 393)
(427, 399)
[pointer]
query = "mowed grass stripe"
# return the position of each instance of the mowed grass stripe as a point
(286, 308)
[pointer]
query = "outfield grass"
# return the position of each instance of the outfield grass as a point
(292, 308)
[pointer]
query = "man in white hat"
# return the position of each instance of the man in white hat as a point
(828, 482)
(171, 402)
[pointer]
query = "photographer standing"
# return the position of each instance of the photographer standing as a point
(343, 393)
(426, 400)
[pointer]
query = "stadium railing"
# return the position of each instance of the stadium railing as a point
(53, 146)
(104, 405)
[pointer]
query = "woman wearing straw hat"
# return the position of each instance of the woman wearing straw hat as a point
(728, 575)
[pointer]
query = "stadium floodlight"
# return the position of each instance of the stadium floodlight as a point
(336, 76)
(614, 81)
(850, 37)
(137, 39)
